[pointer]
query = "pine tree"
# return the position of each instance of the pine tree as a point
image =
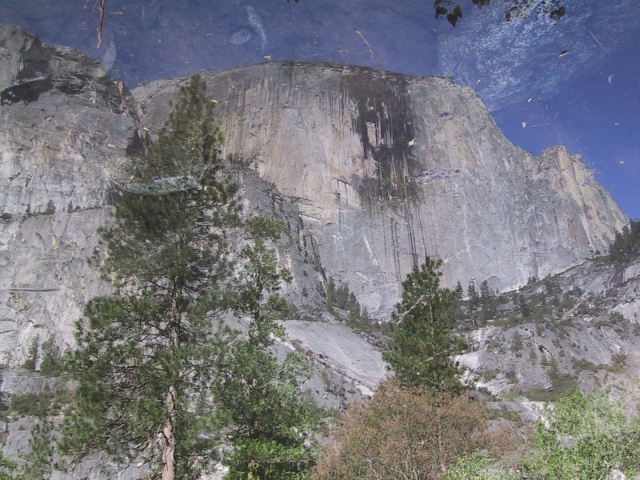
(342, 296)
(523, 306)
(31, 362)
(626, 243)
(51, 364)
(486, 301)
(38, 463)
(457, 306)
(423, 340)
(331, 294)
(259, 397)
(147, 353)
(474, 297)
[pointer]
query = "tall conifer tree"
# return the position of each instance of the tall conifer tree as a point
(259, 396)
(423, 341)
(147, 353)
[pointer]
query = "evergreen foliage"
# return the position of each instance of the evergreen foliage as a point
(474, 297)
(52, 363)
(423, 340)
(147, 354)
(45, 358)
(49, 402)
(487, 301)
(330, 295)
(31, 362)
(269, 420)
(341, 297)
(38, 463)
(523, 306)
(158, 372)
(626, 244)
(258, 396)
(50, 208)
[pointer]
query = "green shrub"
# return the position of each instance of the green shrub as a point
(584, 438)
(476, 466)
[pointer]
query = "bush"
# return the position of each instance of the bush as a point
(476, 467)
(403, 433)
(584, 437)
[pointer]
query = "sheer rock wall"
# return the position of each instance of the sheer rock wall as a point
(64, 129)
(387, 168)
(370, 170)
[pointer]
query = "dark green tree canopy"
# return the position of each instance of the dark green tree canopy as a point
(626, 244)
(147, 353)
(258, 397)
(159, 374)
(423, 341)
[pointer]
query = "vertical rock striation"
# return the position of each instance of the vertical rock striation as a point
(387, 168)
(371, 170)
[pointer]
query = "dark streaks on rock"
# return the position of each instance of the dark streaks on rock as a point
(27, 92)
(385, 128)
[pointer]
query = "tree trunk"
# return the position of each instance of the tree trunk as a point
(168, 463)
(169, 430)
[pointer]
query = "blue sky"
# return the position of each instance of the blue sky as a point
(574, 82)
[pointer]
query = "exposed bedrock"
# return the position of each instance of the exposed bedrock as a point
(387, 168)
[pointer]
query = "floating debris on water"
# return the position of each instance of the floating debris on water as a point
(109, 57)
(241, 36)
(256, 22)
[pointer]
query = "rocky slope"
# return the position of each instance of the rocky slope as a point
(64, 132)
(370, 170)
(578, 329)
(382, 168)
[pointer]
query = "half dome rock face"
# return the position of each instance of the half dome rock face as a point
(373, 171)
(387, 168)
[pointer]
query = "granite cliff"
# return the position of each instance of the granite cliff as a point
(375, 170)
(578, 329)
(387, 168)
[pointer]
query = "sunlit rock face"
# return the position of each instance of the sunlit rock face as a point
(370, 170)
(63, 133)
(387, 168)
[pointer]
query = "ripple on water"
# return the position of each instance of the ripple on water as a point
(241, 36)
